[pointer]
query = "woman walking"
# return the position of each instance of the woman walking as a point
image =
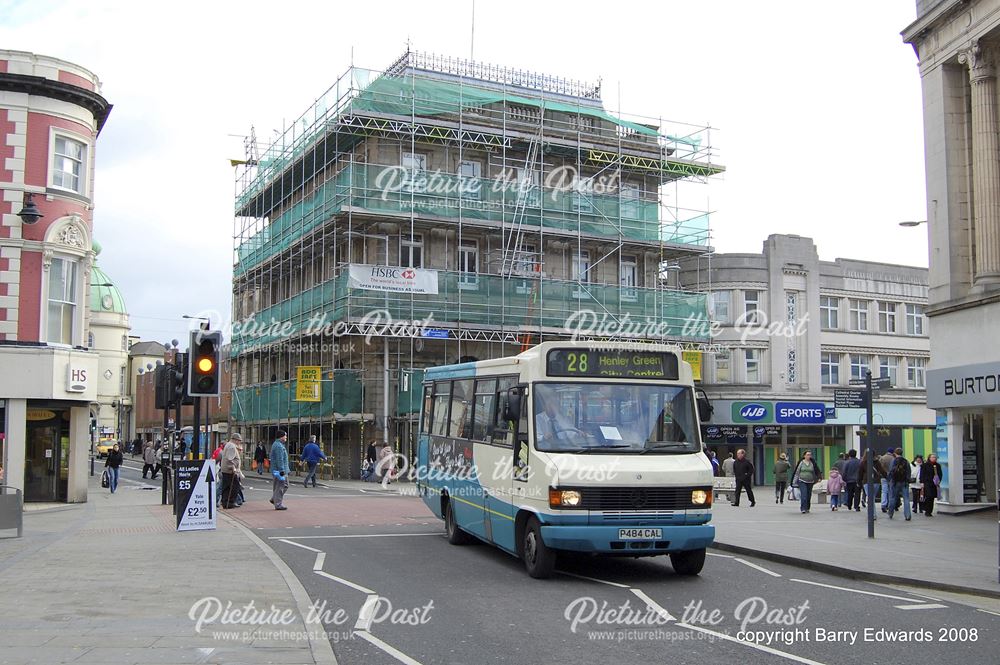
(113, 463)
(807, 474)
(259, 455)
(781, 468)
(918, 505)
(930, 479)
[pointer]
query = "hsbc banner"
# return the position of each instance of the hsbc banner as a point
(393, 279)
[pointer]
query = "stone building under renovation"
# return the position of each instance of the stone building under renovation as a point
(444, 210)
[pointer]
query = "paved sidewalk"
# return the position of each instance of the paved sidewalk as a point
(111, 581)
(947, 552)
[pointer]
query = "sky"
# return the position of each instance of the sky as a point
(815, 109)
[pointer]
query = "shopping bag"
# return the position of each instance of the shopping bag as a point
(267, 463)
(105, 479)
(253, 465)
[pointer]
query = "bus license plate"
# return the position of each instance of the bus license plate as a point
(640, 534)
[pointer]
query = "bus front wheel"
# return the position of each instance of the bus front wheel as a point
(539, 558)
(688, 563)
(455, 535)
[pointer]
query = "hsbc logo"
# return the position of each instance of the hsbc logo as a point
(408, 274)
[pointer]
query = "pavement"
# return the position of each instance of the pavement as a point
(955, 553)
(111, 581)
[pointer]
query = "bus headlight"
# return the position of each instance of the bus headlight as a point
(701, 497)
(564, 498)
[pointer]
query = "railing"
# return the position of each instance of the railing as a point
(393, 189)
(491, 301)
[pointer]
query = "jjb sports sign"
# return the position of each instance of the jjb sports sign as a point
(782, 413)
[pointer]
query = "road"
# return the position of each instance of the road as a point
(391, 589)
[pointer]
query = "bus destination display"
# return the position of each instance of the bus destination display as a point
(612, 364)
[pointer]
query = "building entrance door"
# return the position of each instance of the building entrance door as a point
(46, 454)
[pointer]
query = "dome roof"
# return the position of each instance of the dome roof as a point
(104, 295)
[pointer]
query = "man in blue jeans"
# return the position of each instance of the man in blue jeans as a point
(279, 470)
(899, 483)
(311, 455)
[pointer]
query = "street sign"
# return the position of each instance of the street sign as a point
(849, 398)
(857, 382)
(882, 382)
(194, 494)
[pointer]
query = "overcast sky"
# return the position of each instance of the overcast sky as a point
(817, 108)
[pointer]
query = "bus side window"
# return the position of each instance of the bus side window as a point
(486, 399)
(425, 423)
(442, 400)
(501, 428)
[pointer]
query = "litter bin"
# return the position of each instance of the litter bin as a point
(11, 509)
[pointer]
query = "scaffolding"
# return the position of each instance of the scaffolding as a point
(530, 201)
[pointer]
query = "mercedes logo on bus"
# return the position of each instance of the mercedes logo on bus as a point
(639, 498)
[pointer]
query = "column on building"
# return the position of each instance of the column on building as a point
(985, 163)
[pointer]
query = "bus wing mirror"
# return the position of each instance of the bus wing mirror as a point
(705, 408)
(512, 404)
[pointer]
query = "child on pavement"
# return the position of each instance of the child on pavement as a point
(834, 485)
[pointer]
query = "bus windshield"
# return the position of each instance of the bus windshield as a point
(615, 418)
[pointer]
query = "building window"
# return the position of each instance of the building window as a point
(581, 266)
(718, 306)
(752, 358)
(859, 315)
(859, 365)
(629, 278)
(630, 195)
(90, 340)
(69, 164)
(887, 317)
(751, 306)
(582, 189)
(915, 372)
(723, 366)
(829, 312)
(415, 164)
(62, 301)
(124, 342)
(829, 365)
(411, 251)
(469, 173)
(468, 263)
(529, 183)
(888, 366)
(914, 320)
(525, 260)
(121, 380)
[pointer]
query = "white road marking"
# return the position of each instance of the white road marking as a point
(359, 535)
(867, 593)
(988, 611)
(594, 579)
(392, 651)
(756, 567)
(760, 647)
(348, 583)
(921, 606)
(653, 605)
(721, 556)
(320, 560)
(366, 613)
(305, 547)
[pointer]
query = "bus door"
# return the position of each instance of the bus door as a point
(500, 502)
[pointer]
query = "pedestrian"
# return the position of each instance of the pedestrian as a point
(930, 478)
(833, 486)
(918, 505)
(384, 468)
(259, 455)
(231, 470)
(899, 483)
(114, 461)
(716, 469)
(886, 461)
(727, 466)
(839, 466)
(148, 459)
(879, 473)
(806, 475)
(851, 474)
(279, 470)
(311, 455)
(743, 470)
(372, 453)
(781, 468)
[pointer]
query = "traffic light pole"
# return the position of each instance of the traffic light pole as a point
(196, 430)
(869, 436)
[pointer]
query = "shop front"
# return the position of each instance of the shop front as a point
(966, 400)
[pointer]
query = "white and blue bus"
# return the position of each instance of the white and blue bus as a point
(570, 446)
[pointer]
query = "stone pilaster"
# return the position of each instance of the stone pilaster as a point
(985, 163)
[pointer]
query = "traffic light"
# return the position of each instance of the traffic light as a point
(204, 371)
(179, 381)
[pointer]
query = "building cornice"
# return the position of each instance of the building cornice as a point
(43, 87)
(959, 304)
